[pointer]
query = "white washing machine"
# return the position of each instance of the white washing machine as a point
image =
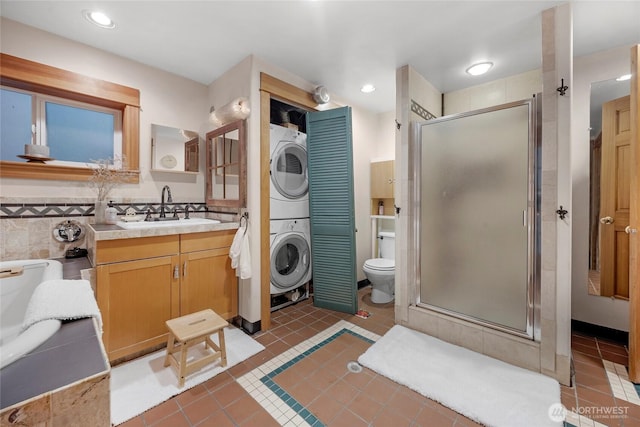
(289, 188)
(290, 254)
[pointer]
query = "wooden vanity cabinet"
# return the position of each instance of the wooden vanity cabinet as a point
(143, 282)
(207, 279)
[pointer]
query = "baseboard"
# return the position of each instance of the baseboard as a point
(249, 327)
(600, 331)
(363, 283)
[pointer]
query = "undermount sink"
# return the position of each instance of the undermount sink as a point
(169, 223)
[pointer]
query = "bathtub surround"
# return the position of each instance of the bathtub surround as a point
(144, 382)
(479, 387)
(64, 381)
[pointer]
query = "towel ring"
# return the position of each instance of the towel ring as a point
(245, 216)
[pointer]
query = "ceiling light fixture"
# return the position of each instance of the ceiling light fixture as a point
(479, 68)
(623, 78)
(368, 88)
(98, 18)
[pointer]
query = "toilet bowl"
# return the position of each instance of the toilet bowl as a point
(381, 271)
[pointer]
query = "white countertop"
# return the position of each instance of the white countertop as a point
(113, 232)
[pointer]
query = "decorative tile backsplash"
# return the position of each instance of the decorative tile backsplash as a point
(27, 228)
(42, 210)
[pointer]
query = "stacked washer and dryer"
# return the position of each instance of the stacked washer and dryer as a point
(290, 228)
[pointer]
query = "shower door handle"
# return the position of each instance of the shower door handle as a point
(606, 220)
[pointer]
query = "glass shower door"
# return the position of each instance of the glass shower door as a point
(477, 212)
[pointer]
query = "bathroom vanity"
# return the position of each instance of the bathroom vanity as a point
(145, 277)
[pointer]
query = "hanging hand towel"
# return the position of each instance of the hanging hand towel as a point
(244, 270)
(236, 246)
(239, 252)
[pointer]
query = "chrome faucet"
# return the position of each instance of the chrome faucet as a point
(169, 200)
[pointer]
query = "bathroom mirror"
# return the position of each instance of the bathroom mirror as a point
(174, 150)
(226, 166)
(608, 205)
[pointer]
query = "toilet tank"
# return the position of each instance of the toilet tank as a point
(387, 244)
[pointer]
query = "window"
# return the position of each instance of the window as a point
(76, 133)
(67, 110)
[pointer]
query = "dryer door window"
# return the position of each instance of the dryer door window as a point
(289, 170)
(290, 260)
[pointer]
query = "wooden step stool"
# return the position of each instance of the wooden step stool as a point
(192, 329)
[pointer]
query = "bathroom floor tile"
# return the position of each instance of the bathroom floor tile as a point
(314, 387)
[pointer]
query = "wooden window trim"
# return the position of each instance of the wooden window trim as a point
(35, 77)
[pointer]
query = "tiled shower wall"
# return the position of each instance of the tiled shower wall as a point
(26, 226)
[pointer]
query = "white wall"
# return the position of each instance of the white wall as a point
(166, 99)
(512, 88)
(599, 66)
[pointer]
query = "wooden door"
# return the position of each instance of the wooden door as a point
(208, 281)
(634, 226)
(136, 298)
(615, 198)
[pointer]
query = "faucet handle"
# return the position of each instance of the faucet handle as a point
(186, 211)
(175, 213)
(148, 217)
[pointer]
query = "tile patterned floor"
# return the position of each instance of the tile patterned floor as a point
(296, 381)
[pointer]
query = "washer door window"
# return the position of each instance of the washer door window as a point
(289, 170)
(290, 259)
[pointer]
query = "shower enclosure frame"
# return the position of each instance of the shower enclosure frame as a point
(533, 217)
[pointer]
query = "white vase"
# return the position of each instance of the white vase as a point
(99, 211)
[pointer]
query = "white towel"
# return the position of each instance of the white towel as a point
(244, 270)
(63, 300)
(239, 252)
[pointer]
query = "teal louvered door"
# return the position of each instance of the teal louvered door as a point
(333, 247)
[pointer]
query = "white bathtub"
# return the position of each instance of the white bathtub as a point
(15, 293)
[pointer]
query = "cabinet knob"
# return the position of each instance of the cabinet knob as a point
(630, 230)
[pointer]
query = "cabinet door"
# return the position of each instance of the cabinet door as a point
(382, 175)
(136, 298)
(208, 281)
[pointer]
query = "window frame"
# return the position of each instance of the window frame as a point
(19, 73)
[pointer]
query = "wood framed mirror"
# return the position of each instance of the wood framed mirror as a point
(226, 166)
(174, 150)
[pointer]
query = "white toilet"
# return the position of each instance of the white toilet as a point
(381, 271)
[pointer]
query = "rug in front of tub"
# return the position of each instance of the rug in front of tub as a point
(143, 383)
(487, 390)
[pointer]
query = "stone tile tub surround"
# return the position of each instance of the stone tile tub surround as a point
(65, 381)
(26, 224)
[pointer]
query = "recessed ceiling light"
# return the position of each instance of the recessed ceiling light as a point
(99, 19)
(367, 88)
(479, 68)
(623, 78)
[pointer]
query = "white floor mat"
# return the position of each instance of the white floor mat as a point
(483, 389)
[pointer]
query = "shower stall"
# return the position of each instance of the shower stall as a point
(477, 190)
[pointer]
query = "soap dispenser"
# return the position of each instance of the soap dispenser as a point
(111, 214)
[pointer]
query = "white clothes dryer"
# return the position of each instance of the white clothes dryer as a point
(289, 182)
(290, 254)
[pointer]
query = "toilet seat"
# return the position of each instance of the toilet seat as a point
(380, 264)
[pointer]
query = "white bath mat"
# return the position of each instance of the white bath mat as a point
(481, 388)
(143, 383)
